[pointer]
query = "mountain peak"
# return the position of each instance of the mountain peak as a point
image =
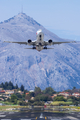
(24, 23)
(22, 18)
(22, 15)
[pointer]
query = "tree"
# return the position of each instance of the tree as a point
(6, 85)
(74, 88)
(2, 85)
(76, 103)
(68, 90)
(16, 87)
(22, 103)
(11, 84)
(49, 91)
(15, 101)
(19, 95)
(43, 98)
(22, 88)
(32, 94)
(9, 88)
(73, 98)
(25, 91)
(13, 98)
(37, 90)
(38, 103)
(59, 98)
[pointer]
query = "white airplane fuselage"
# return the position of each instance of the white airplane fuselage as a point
(39, 40)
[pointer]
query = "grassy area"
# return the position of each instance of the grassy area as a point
(72, 108)
(65, 105)
(57, 103)
(9, 107)
(7, 103)
(55, 109)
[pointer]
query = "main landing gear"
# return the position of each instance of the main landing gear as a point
(45, 47)
(34, 47)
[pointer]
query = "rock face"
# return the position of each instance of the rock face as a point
(58, 67)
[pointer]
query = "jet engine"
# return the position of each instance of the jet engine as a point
(50, 41)
(29, 42)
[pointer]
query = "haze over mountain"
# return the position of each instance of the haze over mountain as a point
(58, 68)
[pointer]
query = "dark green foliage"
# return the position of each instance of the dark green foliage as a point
(8, 99)
(74, 88)
(73, 98)
(15, 101)
(11, 84)
(68, 90)
(59, 98)
(23, 97)
(22, 88)
(27, 97)
(13, 98)
(2, 85)
(7, 86)
(16, 87)
(38, 103)
(32, 94)
(43, 97)
(49, 91)
(37, 90)
(76, 103)
(19, 96)
(25, 91)
(31, 101)
(69, 100)
(79, 99)
(22, 103)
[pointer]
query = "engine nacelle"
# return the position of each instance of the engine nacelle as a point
(50, 41)
(29, 42)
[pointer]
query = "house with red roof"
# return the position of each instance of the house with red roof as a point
(76, 94)
(2, 91)
(27, 93)
(65, 94)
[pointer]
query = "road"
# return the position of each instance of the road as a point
(38, 116)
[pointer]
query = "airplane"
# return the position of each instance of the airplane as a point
(39, 43)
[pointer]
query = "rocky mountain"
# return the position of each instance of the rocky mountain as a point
(58, 67)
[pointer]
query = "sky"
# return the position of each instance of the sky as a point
(61, 17)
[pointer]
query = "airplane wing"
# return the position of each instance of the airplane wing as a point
(62, 42)
(32, 42)
(16, 42)
(53, 43)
